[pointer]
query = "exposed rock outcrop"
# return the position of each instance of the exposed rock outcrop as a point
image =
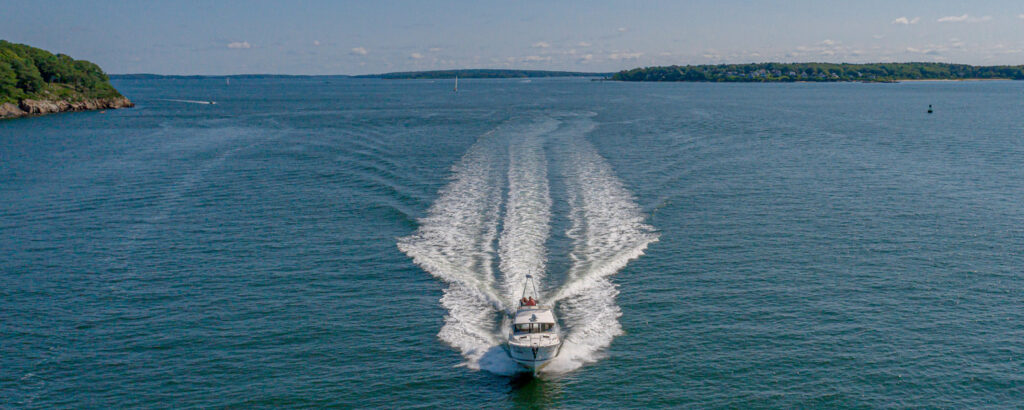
(39, 107)
(8, 110)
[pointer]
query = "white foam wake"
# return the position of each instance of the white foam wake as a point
(455, 242)
(527, 215)
(607, 231)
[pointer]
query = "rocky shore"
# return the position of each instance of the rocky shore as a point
(29, 107)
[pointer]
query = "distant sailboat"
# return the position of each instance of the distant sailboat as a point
(929, 108)
(227, 81)
(456, 84)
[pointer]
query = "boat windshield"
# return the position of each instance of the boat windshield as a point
(534, 327)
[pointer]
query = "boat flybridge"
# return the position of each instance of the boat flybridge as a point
(533, 340)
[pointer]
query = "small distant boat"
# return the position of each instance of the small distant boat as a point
(929, 108)
(456, 84)
(227, 81)
(533, 341)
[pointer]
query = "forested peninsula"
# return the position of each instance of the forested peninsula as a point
(34, 81)
(821, 72)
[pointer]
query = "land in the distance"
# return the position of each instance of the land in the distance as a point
(34, 81)
(480, 73)
(822, 72)
(404, 75)
(146, 76)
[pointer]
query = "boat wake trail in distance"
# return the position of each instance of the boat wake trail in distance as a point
(490, 226)
(186, 101)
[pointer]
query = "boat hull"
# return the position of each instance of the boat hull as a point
(533, 358)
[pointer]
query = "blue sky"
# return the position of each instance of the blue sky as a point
(357, 37)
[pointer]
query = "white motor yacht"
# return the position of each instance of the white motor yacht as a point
(534, 340)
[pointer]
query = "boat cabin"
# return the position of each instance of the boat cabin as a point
(539, 320)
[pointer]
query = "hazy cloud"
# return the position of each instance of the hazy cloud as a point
(951, 19)
(625, 56)
(535, 59)
(316, 42)
(964, 18)
(586, 44)
(928, 51)
(623, 29)
(541, 44)
(435, 49)
(904, 20)
(239, 44)
(360, 51)
(415, 56)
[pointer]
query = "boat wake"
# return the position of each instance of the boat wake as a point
(489, 228)
(187, 101)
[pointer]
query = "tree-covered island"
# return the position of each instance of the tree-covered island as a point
(34, 81)
(820, 72)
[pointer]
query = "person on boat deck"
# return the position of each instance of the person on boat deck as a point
(524, 301)
(531, 302)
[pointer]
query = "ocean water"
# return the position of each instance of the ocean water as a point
(317, 242)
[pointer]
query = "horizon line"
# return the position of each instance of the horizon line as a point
(551, 70)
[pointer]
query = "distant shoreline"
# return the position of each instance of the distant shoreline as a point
(404, 75)
(480, 73)
(937, 80)
(820, 72)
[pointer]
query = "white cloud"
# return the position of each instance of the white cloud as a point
(360, 51)
(415, 56)
(316, 42)
(541, 44)
(623, 29)
(435, 49)
(586, 44)
(624, 56)
(1021, 16)
(535, 59)
(828, 42)
(239, 44)
(952, 19)
(964, 18)
(877, 36)
(904, 20)
(928, 51)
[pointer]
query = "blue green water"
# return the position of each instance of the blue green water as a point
(337, 242)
